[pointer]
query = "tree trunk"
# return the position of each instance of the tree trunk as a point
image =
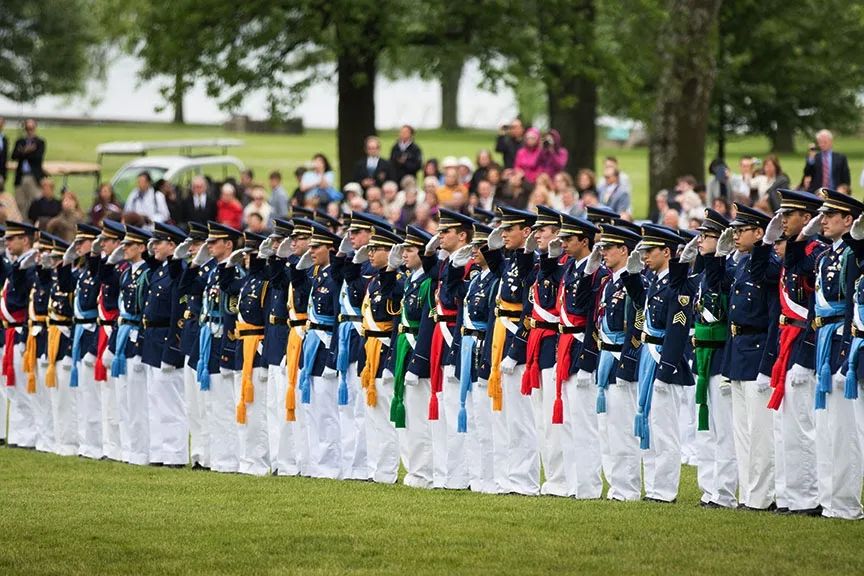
(783, 139)
(451, 74)
(356, 110)
(680, 120)
(576, 122)
(177, 97)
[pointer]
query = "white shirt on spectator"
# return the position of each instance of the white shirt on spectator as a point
(150, 203)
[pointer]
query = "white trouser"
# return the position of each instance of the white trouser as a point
(523, 451)
(663, 461)
(383, 440)
(415, 440)
(138, 411)
(717, 468)
(754, 444)
(323, 433)
(285, 458)
(222, 422)
(89, 410)
(276, 388)
(500, 445)
(169, 424)
(584, 478)
(199, 442)
(4, 409)
(352, 424)
(22, 406)
(439, 436)
(64, 411)
(797, 434)
(252, 436)
(44, 416)
(121, 396)
(111, 446)
(839, 458)
(687, 425)
(554, 438)
(456, 444)
(480, 450)
(625, 457)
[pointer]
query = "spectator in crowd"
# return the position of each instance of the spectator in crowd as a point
(528, 157)
(484, 162)
(590, 200)
(466, 171)
(543, 194)
(671, 219)
(826, 167)
(65, 223)
(372, 170)
(319, 182)
(255, 222)
(493, 175)
(768, 182)
(661, 205)
(172, 200)
(485, 195)
(146, 201)
(613, 195)
(229, 210)
(431, 169)
(430, 188)
(278, 196)
(424, 218)
(8, 209)
(408, 183)
(376, 207)
(586, 180)
(374, 193)
(516, 191)
(407, 213)
(29, 151)
(392, 197)
(46, 206)
(742, 183)
(844, 189)
(570, 203)
(297, 196)
(623, 179)
(244, 188)
(691, 203)
(722, 206)
(406, 158)
(199, 206)
(258, 205)
(106, 205)
(4, 155)
(553, 156)
(450, 187)
(509, 142)
(353, 196)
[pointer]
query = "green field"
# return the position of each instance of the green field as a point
(264, 152)
(64, 515)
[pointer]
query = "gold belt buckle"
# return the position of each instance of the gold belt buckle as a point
(734, 329)
(560, 328)
(144, 323)
(187, 314)
(532, 323)
(272, 319)
(783, 320)
(818, 322)
(642, 337)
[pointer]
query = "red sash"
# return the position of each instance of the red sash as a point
(788, 334)
(99, 372)
(536, 336)
(9, 352)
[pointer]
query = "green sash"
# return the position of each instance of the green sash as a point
(403, 348)
(716, 331)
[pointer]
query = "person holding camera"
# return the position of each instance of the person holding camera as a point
(826, 168)
(510, 137)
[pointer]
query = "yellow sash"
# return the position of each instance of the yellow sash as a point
(29, 360)
(499, 336)
(250, 345)
(372, 347)
(292, 358)
(52, 351)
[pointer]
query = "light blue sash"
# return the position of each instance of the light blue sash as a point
(311, 342)
(469, 344)
(76, 339)
(647, 368)
(607, 362)
(823, 348)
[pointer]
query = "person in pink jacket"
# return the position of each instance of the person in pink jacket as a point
(534, 157)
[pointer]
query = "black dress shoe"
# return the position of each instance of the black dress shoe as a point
(173, 465)
(782, 511)
(199, 466)
(770, 508)
(156, 464)
(710, 504)
(659, 501)
(817, 511)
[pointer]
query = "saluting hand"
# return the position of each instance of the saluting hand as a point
(726, 243)
(182, 249)
(530, 243)
(202, 256)
(285, 250)
(266, 250)
(345, 246)
(857, 231)
(432, 245)
(394, 259)
(774, 229)
(28, 259)
(634, 262)
(71, 254)
(461, 256)
(495, 241)
(688, 254)
(814, 227)
(115, 256)
(594, 259)
(236, 257)
(305, 261)
(361, 256)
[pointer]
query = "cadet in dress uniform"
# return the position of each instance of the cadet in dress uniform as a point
(34, 363)
(318, 381)
(751, 279)
(201, 278)
(581, 278)
(161, 354)
(793, 376)
(123, 356)
(517, 460)
(476, 316)
(410, 364)
(717, 468)
(662, 366)
(453, 236)
(295, 285)
(839, 458)
(250, 292)
(199, 440)
(380, 311)
(106, 303)
(14, 303)
(613, 336)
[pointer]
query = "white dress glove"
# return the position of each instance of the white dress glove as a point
(495, 241)
(508, 365)
(763, 383)
(634, 262)
(584, 378)
(432, 245)
(328, 372)
(394, 259)
(556, 248)
(530, 243)
(690, 251)
(594, 260)
(70, 255)
(361, 256)
(345, 246)
(236, 257)
(461, 256)
(168, 368)
(726, 243)
(284, 250)
(46, 260)
(266, 250)
(774, 229)
(411, 379)
(857, 231)
(96, 246)
(305, 261)
(182, 249)
(151, 246)
(814, 227)
(661, 387)
(202, 256)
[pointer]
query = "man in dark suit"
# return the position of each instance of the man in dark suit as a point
(4, 155)
(372, 170)
(825, 167)
(199, 206)
(29, 151)
(406, 158)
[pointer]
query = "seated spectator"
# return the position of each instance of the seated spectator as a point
(671, 219)
(9, 209)
(516, 191)
(690, 203)
(374, 193)
(357, 204)
(613, 194)
(319, 182)
(350, 192)
(65, 223)
(255, 222)
(485, 195)
(392, 197)
(585, 180)
(376, 207)
(408, 209)
(484, 162)
(431, 169)
(543, 194)
(528, 157)
(278, 196)
(229, 210)
(430, 187)
(405, 156)
(423, 218)
(570, 203)
(408, 183)
(45, 207)
(146, 201)
(591, 200)
(769, 181)
(259, 205)
(104, 204)
(722, 206)
(493, 175)
(450, 187)
(466, 171)
(742, 184)
(661, 205)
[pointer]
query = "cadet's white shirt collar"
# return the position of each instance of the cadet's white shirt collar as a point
(617, 275)
(136, 265)
(837, 243)
(417, 273)
(662, 274)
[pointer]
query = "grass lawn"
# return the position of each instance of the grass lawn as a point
(264, 152)
(68, 515)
